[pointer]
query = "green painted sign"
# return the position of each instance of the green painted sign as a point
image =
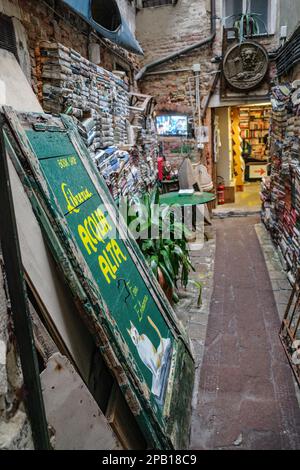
(134, 326)
(138, 320)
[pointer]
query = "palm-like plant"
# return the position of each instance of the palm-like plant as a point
(167, 257)
(248, 24)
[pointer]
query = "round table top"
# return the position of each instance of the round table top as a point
(195, 199)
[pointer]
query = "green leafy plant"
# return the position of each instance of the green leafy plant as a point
(248, 24)
(167, 257)
(199, 286)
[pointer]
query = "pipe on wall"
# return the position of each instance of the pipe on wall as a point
(165, 72)
(187, 49)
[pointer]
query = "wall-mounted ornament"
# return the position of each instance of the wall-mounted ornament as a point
(245, 65)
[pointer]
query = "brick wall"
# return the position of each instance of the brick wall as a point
(64, 26)
(15, 431)
(163, 30)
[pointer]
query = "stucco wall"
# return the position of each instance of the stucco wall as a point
(289, 14)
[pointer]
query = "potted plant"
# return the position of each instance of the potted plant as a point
(248, 24)
(168, 258)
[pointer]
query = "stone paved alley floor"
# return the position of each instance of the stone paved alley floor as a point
(246, 398)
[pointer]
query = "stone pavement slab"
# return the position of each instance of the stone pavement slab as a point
(193, 317)
(246, 397)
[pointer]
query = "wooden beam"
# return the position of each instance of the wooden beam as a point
(19, 305)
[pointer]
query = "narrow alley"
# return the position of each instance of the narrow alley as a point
(247, 396)
(149, 228)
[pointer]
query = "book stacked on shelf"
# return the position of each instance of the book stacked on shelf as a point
(281, 194)
(254, 129)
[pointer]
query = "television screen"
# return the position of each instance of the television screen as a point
(172, 125)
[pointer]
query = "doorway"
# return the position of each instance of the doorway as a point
(242, 154)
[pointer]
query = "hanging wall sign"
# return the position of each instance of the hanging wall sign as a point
(245, 65)
(138, 320)
(132, 321)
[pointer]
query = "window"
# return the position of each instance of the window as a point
(157, 3)
(233, 8)
(7, 35)
(106, 14)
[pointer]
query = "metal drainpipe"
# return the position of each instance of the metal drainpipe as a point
(174, 55)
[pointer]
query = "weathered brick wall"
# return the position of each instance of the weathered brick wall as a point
(15, 431)
(64, 26)
(164, 30)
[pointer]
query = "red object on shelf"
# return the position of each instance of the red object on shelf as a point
(221, 194)
(160, 164)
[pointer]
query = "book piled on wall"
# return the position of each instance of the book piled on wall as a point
(70, 83)
(146, 150)
(281, 195)
(98, 100)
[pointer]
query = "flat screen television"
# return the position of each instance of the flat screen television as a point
(172, 125)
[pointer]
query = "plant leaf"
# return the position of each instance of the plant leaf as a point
(168, 263)
(166, 275)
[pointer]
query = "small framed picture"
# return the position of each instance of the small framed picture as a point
(204, 135)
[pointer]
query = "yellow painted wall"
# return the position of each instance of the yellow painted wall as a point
(238, 162)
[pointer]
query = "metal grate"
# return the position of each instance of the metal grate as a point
(7, 35)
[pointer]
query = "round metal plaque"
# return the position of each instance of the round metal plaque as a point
(246, 65)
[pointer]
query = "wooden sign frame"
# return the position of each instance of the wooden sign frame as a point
(164, 425)
(290, 329)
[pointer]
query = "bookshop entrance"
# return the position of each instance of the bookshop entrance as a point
(242, 154)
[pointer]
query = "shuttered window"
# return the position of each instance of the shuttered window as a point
(7, 35)
(157, 3)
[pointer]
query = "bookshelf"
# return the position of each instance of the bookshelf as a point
(254, 132)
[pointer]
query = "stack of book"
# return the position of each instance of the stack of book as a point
(99, 102)
(281, 193)
(70, 83)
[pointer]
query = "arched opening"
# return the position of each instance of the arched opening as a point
(106, 14)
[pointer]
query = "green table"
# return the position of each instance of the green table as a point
(195, 199)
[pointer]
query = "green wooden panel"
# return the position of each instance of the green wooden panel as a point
(46, 144)
(138, 321)
(66, 192)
